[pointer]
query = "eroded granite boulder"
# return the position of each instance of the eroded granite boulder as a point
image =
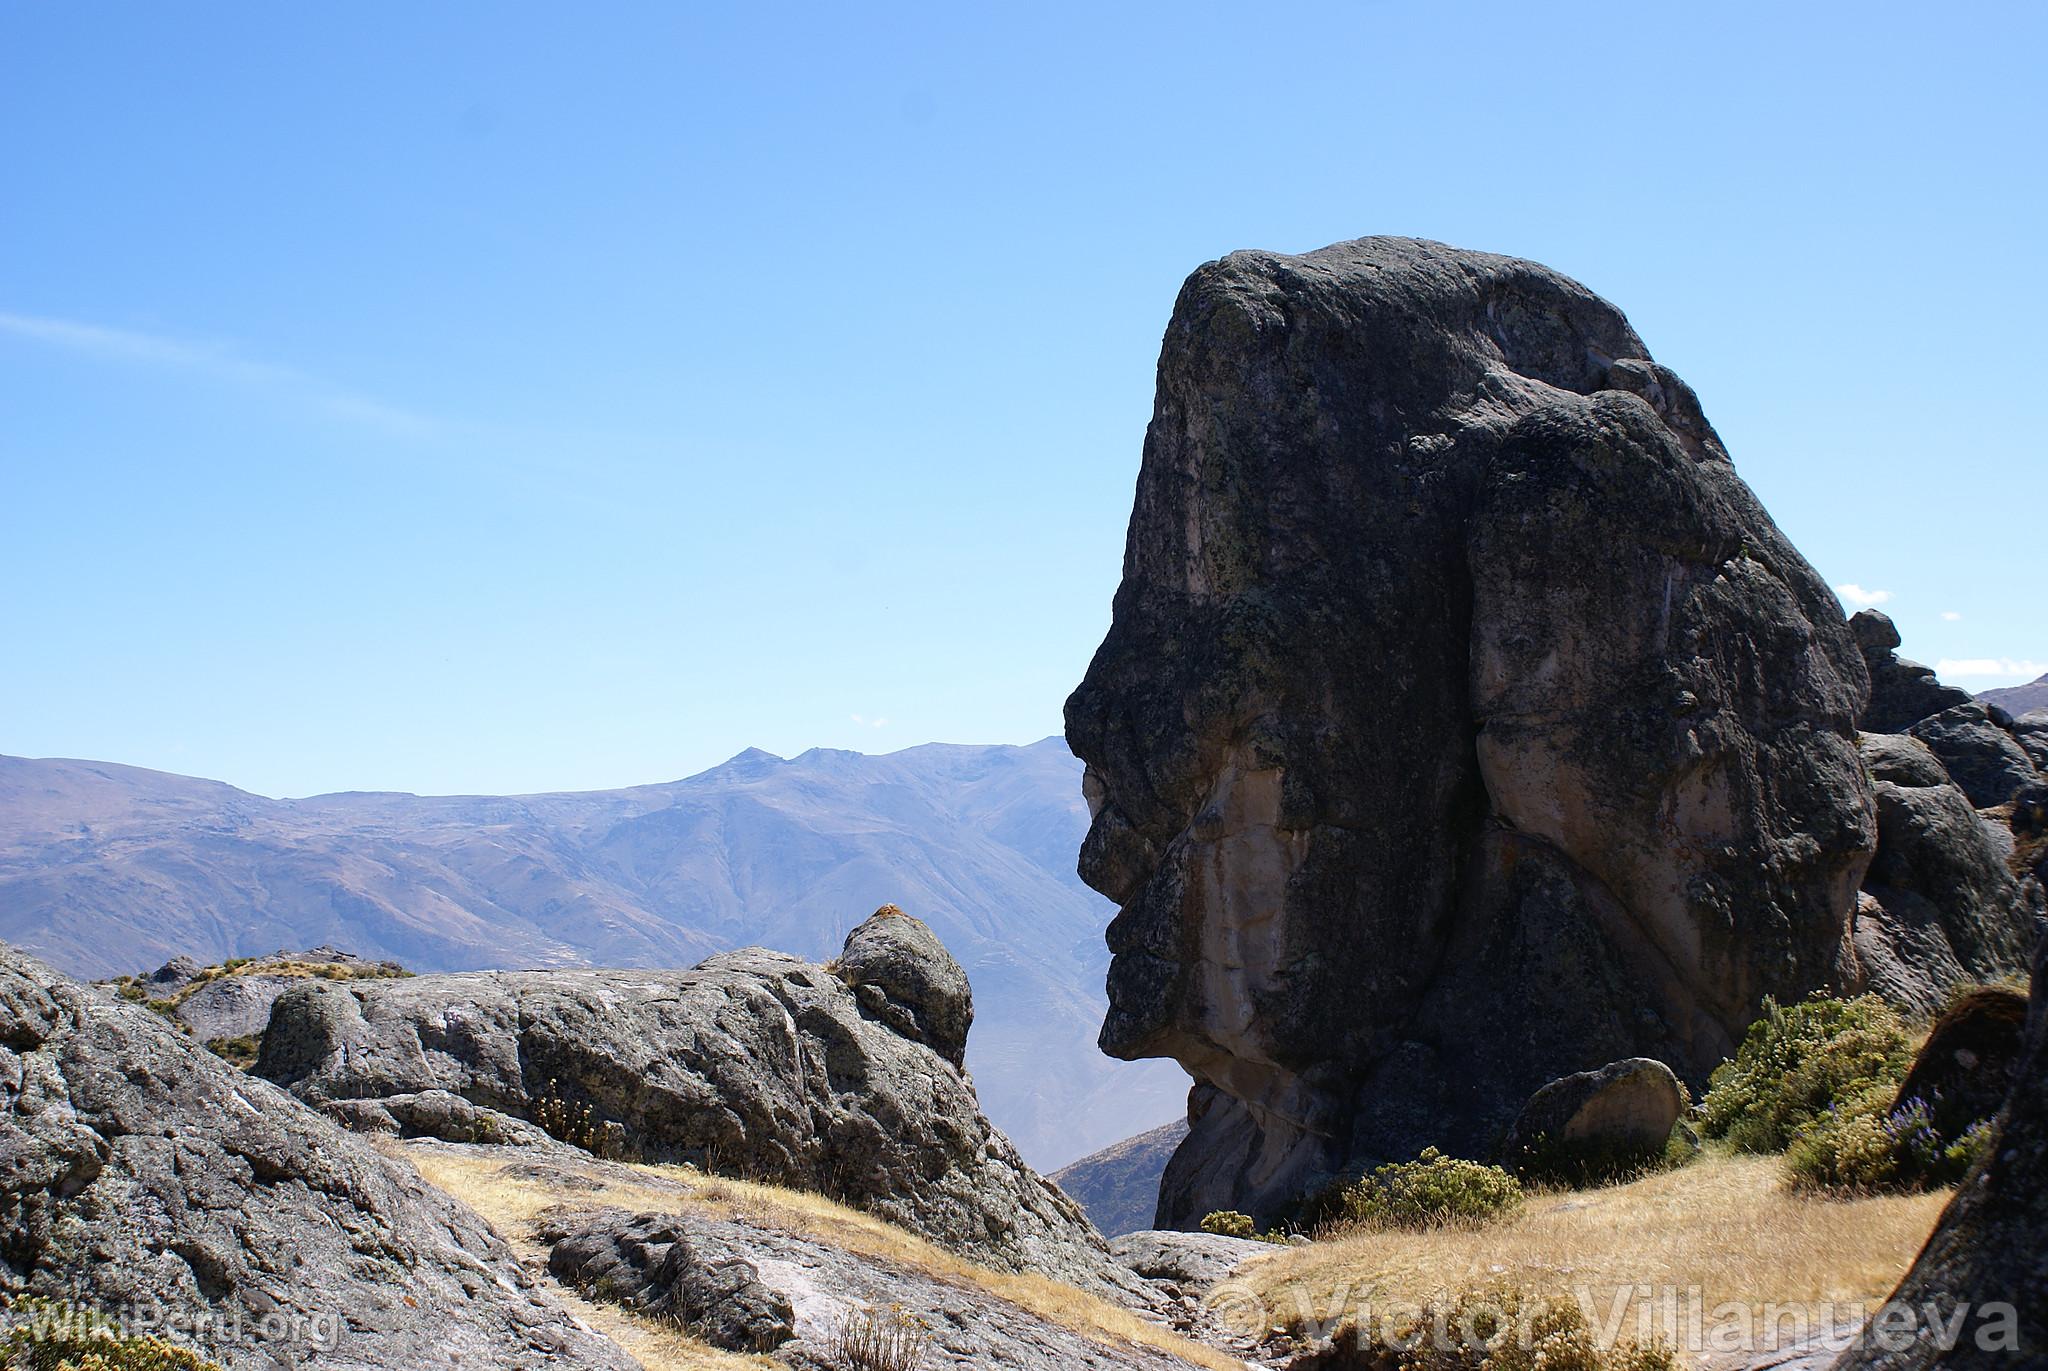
(141, 1173)
(1464, 720)
(1979, 752)
(1902, 692)
(753, 1064)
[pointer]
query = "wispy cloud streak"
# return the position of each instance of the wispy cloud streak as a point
(218, 363)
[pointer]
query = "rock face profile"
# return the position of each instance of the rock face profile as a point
(1464, 720)
(145, 1177)
(843, 1079)
(1985, 1268)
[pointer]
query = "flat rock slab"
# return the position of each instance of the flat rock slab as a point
(1192, 1261)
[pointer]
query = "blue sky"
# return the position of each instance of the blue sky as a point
(515, 396)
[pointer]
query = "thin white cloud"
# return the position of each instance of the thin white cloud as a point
(218, 363)
(868, 723)
(1951, 616)
(2004, 668)
(1861, 598)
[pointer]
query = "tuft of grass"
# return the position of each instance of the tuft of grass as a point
(240, 1052)
(1491, 1328)
(882, 1340)
(576, 1123)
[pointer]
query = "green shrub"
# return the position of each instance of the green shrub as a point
(1228, 1223)
(1433, 1191)
(48, 1335)
(1866, 1144)
(1798, 1063)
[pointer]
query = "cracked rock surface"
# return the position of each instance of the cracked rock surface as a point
(142, 1173)
(754, 1064)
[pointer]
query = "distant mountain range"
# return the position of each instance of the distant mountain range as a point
(107, 869)
(1119, 1186)
(2020, 699)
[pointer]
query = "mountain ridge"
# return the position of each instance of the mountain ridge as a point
(107, 868)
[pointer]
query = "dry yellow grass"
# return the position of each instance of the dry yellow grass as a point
(1729, 1228)
(512, 1204)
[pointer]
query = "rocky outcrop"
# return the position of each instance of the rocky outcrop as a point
(1902, 692)
(1119, 1186)
(142, 1174)
(1593, 1122)
(647, 1263)
(754, 1064)
(1984, 1272)
(1190, 1262)
(1464, 720)
(1964, 1070)
(1941, 903)
(1978, 751)
(804, 1297)
(232, 1000)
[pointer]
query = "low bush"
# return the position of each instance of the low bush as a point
(48, 1335)
(1228, 1223)
(1798, 1063)
(1869, 1144)
(1433, 1191)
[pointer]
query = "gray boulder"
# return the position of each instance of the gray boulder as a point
(1941, 903)
(1596, 1123)
(1464, 720)
(1984, 1270)
(647, 1263)
(1981, 757)
(1902, 692)
(2031, 732)
(1192, 1262)
(142, 1174)
(901, 973)
(753, 1064)
(826, 1292)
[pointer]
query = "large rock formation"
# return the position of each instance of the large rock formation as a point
(1941, 902)
(843, 1079)
(1979, 751)
(144, 1177)
(1902, 691)
(1978, 1294)
(1464, 721)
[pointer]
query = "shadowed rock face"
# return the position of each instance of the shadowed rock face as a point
(1464, 720)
